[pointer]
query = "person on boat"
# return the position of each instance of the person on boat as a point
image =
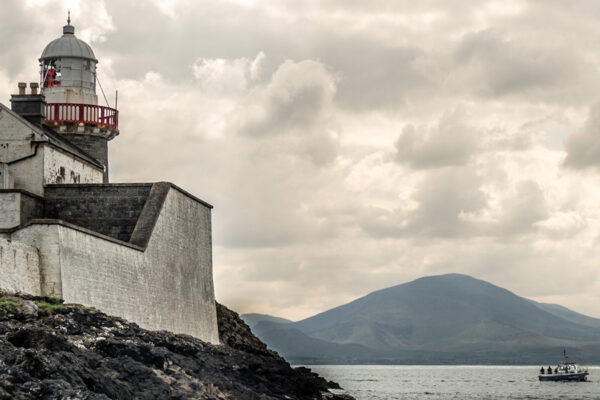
(542, 371)
(549, 370)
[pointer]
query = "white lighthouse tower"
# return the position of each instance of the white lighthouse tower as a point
(68, 83)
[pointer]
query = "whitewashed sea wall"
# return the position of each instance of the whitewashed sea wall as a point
(19, 268)
(168, 286)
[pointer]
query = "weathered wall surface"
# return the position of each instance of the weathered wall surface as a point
(111, 210)
(18, 207)
(167, 286)
(10, 210)
(27, 174)
(95, 146)
(182, 242)
(45, 238)
(16, 143)
(62, 168)
(31, 207)
(19, 268)
(32, 165)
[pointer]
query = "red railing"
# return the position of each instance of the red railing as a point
(104, 117)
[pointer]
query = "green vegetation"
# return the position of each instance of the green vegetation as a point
(54, 300)
(46, 308)
(8, 303)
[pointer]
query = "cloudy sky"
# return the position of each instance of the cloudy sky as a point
(350, 145)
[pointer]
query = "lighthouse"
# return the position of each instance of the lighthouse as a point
(140, 251)
(68, 81)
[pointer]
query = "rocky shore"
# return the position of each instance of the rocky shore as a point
(50, 350)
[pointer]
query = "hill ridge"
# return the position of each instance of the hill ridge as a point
(448, 317)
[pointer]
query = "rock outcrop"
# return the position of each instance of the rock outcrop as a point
(50, 350)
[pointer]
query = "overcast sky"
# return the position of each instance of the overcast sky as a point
(352, 145)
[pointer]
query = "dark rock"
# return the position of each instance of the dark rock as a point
(71, 352)
(29, 309)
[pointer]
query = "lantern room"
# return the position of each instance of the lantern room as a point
(68, 82)
(68, 70)
(70, 104)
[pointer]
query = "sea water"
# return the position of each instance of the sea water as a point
(379, 382)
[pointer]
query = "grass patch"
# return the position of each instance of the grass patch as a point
(6, 305)
(54, 300)
(46, 308)
(9, 303)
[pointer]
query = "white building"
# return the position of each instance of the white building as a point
(140, 251)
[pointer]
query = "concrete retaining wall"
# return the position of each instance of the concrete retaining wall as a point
(167, 286)
(19, 268)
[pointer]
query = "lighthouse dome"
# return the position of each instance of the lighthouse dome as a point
(68, 46)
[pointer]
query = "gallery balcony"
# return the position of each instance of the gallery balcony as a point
(58, 114)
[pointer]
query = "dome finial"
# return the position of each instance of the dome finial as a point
(69, 29)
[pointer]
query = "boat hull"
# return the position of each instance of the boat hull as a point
(578, 377)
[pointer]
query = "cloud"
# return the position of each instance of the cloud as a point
(296, 99)
(451, 203)
(524, 210)
(450, 142)
(442, 200)
(374, 74)
(496, 63)
(563, 224)
(349, 145)
(583, 145)
(227, 77)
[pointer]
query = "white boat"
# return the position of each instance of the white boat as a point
(564, 371)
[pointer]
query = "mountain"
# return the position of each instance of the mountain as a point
(253, 319)
(303, 349)
(569, 315)
(442, 319)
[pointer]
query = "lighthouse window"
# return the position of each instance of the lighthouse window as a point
(51, 74)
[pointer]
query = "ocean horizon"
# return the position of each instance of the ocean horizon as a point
(391, 382)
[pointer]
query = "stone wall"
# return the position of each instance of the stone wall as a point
(110, 209)
(19, 268)
(168, 285)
